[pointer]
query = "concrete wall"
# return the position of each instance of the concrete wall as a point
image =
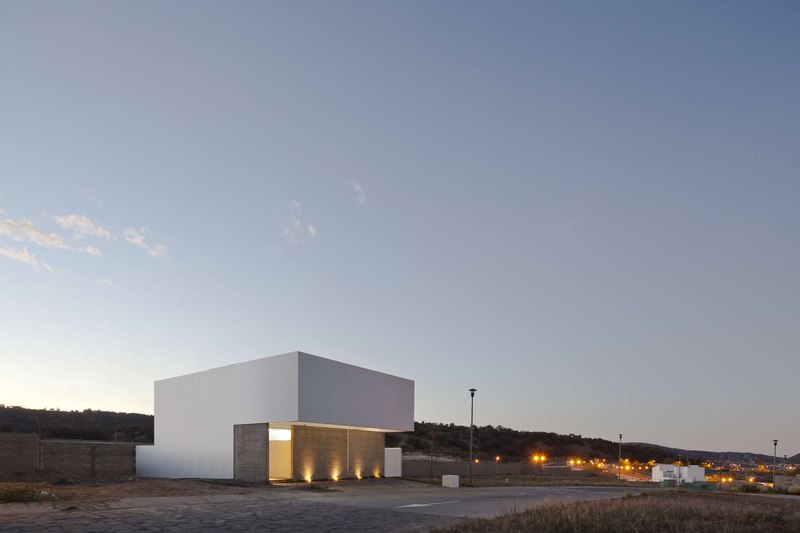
(195, 414)
(323, 453)
(19, 454)
(251, 452)
(25, 455)
(366, 453)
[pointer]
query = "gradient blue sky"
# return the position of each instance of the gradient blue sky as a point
(586, 210)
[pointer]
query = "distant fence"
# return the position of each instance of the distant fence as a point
(421, 468)
(25, 455)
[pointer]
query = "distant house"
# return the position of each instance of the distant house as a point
(788, 483)
(291, 416)
(679, 474)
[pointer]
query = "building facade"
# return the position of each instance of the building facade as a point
(679, 474)
(291, 416)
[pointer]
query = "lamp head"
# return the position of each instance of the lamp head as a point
(472, 392)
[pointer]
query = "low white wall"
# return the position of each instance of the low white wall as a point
(393, 462)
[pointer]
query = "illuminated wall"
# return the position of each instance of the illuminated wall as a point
(332, 453)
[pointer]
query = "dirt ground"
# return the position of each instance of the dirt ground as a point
(109, 490)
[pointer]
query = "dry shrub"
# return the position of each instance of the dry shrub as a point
(673, 512)
(16, 494)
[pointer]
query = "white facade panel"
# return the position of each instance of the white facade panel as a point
(337, 393)
(195, 415)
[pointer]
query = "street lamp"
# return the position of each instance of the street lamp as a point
(471, 413)
(774, 462)
(619, 463)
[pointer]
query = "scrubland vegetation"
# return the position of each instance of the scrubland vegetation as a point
(667, 511)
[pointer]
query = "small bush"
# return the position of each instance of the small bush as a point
(10, 494)
(749, 488)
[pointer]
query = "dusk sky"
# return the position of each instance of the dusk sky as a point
(589, 211)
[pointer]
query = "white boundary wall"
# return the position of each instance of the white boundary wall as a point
(393, 462)
(195, 413)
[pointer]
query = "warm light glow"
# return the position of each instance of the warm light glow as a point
(280, 434)
(477, 460)
(358, 473)
(497, 458)
(307, 477)
(335, 475)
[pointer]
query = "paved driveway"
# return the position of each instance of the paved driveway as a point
(385, 505)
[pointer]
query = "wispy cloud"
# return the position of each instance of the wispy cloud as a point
(80, 226)
(361, 194)
(24, 256)
(137, 238)
(91, 195)
(294, 229)
(91, 250)
(24, 230)
(104, 282)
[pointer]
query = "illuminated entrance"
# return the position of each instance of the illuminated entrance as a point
(280, 453)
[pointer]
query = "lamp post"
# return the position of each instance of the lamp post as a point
(619, 463)
(471, 413)
(774, 462)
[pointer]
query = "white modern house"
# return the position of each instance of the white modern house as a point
(291, 416)
(679, 474)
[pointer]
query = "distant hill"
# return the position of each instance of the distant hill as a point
(87, 424)
(491, 441)
(724, 458)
